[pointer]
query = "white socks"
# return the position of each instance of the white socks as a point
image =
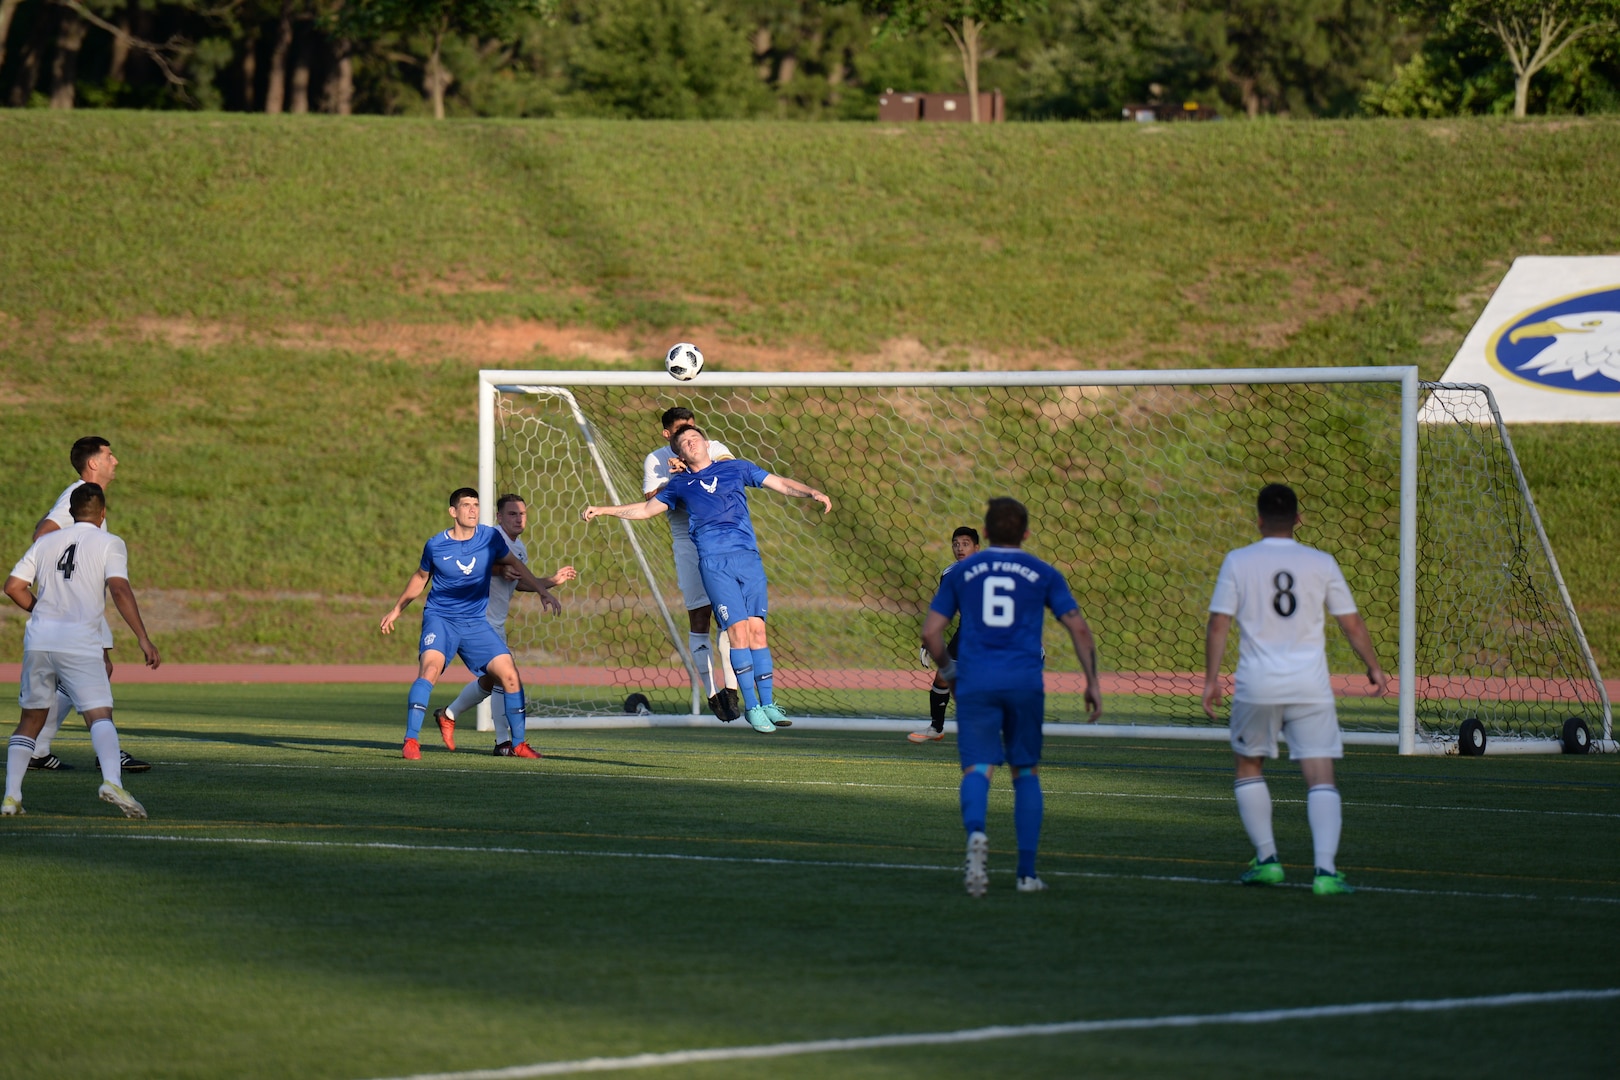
(1254, 807)
(18, 751)
(1326, 813)
(703, 659)
(497, 712)
(725, 661)
(471, 696)
(60, 707)
(104, 738)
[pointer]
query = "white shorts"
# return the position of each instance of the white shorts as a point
(693, 594)
(1312, 730)
(83, 678)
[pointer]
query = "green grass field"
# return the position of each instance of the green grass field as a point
(302, 902)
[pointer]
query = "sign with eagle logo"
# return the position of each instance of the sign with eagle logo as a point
(1548, 343)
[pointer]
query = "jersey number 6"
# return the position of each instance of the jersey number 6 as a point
(998, 607)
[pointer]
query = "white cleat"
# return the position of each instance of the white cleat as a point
(1031, 884)
(976, 874)
(10, 807)
(112, 793)
(927, 734)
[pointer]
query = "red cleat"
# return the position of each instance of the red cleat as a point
(523, 749)
(447, 730)
(412, 751)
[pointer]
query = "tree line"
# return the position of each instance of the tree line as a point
(812, 59)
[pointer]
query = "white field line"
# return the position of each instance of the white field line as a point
(1023, 1031)
(748, 860)
(944, 787)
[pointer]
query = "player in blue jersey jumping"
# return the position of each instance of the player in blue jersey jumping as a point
(459, 563)
(1003, 594)
(715, 496)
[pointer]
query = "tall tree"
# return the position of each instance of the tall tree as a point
(1532, 32)
(965, 22)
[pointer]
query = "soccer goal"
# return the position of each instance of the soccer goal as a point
(1137, 483)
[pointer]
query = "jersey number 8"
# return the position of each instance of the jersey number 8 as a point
(998, 607)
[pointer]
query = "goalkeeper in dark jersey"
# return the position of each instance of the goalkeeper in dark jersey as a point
(964, 542)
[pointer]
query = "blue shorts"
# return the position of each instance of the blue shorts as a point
(474, 640)
(997, 727)
(735, 582)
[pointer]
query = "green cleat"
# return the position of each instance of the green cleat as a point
(1330, 884)
(10, 807)
(778, 717)
(112, 793)
(759, 720)
(1269, 872)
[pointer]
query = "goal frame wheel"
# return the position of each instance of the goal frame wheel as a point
(1471, 738)
(1577, 736)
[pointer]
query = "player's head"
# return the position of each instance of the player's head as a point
(512, 514)
(93, 454)
(1278, 507)
(88, 503)
(677, 418)
(464, 507)
(1006, 523)
(690, 444)
(964, 542)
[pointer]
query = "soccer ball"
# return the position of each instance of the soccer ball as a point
(684, 361)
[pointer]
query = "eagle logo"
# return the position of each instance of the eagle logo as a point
(710, 486)
(1571, 344)
(466, 568)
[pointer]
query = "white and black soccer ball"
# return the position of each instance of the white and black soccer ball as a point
(684, 361)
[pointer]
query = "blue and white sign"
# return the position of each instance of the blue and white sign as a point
(1548, 343)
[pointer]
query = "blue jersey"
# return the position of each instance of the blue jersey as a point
(716, 502)
(461, 570)
(1003, 595)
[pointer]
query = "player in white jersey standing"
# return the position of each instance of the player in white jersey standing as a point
(93, 460)
(725, 701)
(1276, 589)
(62, 581)
(512, 517)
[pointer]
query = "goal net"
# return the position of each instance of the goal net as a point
(1137, 484)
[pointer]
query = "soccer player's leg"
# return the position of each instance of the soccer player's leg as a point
(1253, 733)
(939, 698)
(474, 694)
(979, 749)
(38, 691)
(696, 600)
(483, 650)
(1023, 717)
(756, 598)
(1314, 741)
(730, 609)
(438, 642)
(85, 680)
(43, 758)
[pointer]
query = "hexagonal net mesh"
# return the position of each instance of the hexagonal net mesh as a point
(1135, 493)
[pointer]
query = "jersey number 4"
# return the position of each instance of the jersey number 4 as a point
(998, 603)
(65, 563)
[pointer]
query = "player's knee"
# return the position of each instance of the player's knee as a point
(1021, 771)
(981, 769)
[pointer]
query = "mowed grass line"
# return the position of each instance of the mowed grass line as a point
(197, 958)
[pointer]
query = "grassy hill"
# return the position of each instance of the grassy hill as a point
(276, 319)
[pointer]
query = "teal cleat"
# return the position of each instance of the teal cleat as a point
(1330, 884)
(759, 720)
(778, 717)
(1269, 872)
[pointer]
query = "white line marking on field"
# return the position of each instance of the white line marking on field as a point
(750, 860)
(1022, 1031)
(945, 786)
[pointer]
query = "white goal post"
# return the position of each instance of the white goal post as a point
(1137, 482)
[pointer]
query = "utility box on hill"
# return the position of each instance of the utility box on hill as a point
(949, 108)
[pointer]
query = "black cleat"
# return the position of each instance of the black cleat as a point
(503, 749)
(48, 761)
(128, 763)
(723, 707)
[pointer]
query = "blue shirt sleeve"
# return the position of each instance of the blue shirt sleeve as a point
(945, 600)
(427, 557)
(667, 497)
(1058, 596)
(753, 475)
(498, 548)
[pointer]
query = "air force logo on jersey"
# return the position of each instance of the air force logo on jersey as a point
(710, 486)
(466, 568)
(1572, 344)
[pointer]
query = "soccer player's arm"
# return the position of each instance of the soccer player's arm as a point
(1085, 650)
(528, 582)
(629, 511)
(718, 451)
(19, 584)
(1355, 630)
(651, 482)
(796, 490)
(413, 589)
(1221, 609)
(45, 526)
(564, 573)
(940, 612)
(123, 598)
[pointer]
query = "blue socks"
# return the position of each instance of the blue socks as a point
(515, 718)
(742, 662)
(762, 674)
(1029, 805)
(416, 707)
(975, 797)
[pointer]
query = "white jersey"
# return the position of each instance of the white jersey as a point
(63, 517)
(655, 475)
(1277, 589)
(501, 590)
(69, 569)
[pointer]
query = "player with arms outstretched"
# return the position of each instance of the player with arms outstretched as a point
(62, 581)
(1276, 589)
(459, 562)
(1003, 595)
(511, 517)
(715, 495)
(964, 542)
(660, 465)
